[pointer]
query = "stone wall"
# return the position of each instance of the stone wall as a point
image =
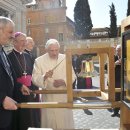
(15, 9)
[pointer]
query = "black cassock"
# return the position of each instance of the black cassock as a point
(36, 114)
(23, 117)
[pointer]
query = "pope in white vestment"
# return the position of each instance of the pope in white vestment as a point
(45, 77)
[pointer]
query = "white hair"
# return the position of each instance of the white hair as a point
(4, 21)
(118, 47)
(29, 38)
(50, 42)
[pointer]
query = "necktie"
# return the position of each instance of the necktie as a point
(6, 65)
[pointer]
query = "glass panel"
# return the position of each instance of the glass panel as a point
(126, 68)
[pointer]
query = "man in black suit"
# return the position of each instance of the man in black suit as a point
(7, 77)
(117, 78)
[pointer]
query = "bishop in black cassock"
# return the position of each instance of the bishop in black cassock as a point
(22, 117)
(22, 63)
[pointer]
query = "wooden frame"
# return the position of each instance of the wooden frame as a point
(107, 95)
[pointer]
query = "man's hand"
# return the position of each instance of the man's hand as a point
(25, 90)
(9, 104)
(59, 82)
(118, 62)
(48, 74)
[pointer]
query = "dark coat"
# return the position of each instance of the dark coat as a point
(117, 74)
(6, 89)
(35, 112)
(31, 55)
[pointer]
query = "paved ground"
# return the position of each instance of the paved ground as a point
(100, 118)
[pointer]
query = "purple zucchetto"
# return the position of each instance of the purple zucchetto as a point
(18, 34)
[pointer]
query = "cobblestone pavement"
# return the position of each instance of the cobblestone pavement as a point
(100, 119)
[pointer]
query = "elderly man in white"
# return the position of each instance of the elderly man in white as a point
(47, 76)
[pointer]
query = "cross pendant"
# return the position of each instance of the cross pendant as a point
(25, 73)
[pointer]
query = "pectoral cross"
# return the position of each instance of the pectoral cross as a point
(25, 73)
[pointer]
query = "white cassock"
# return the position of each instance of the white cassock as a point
(56, 118)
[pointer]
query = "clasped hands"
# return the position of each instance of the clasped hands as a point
(58, 82)
(118, 62)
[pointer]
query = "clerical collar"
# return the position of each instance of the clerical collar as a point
(18, 51)
(27, 50)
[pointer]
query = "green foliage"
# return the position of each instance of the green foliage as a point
(128, 9)
(83, 23)
(113, 20)
(3, 12)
